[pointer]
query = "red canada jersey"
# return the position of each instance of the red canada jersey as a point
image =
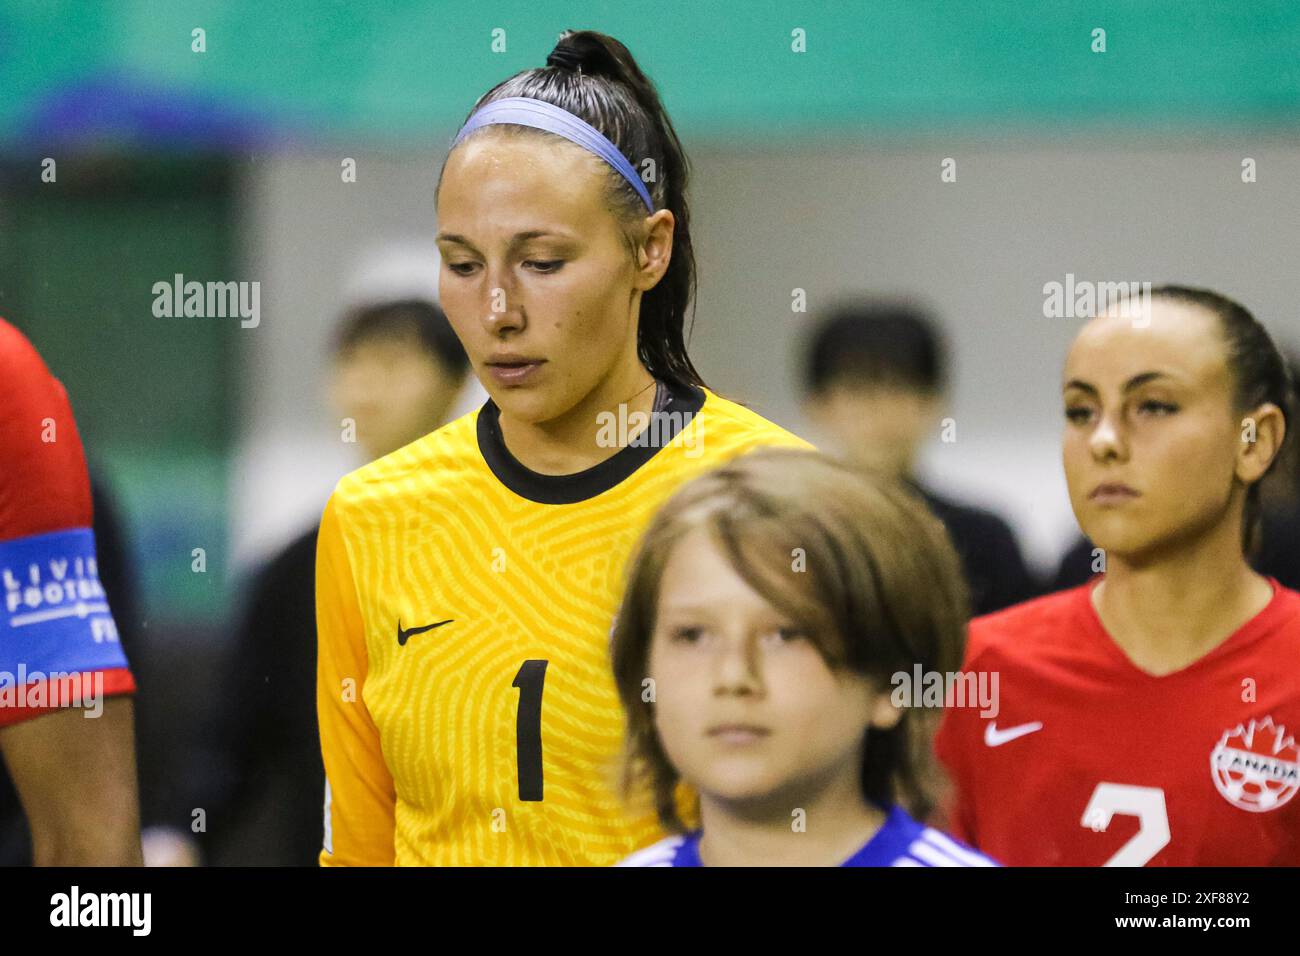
(1090, 761)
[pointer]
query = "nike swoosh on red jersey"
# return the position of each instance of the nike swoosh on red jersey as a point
(996, 738)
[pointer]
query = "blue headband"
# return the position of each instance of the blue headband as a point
(525, 111)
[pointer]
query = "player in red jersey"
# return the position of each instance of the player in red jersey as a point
(60, 660)
(1148, 717)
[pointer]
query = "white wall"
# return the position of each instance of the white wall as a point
(311, 240)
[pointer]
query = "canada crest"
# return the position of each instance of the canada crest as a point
(1256, 766)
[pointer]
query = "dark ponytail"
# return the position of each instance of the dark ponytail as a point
(1259, 374)
(594, 77)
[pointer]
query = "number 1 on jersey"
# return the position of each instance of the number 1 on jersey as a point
(528, 728)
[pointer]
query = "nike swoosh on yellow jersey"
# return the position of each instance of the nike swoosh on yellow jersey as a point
(403, 635)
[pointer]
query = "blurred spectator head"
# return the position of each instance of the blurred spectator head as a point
(874, 380)
(398, 368)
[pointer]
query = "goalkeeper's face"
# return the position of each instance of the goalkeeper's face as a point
(539, 278)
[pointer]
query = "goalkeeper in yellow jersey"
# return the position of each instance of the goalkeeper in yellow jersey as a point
(466, 583)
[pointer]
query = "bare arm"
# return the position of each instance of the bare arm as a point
(76, 778)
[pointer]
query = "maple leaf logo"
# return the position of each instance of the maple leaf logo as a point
(1256, 766)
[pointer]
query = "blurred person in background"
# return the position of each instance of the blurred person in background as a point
(874, 382)
(75, 777)
(398, 369)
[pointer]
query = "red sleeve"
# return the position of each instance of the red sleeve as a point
(956, 813)
(44, 485)
(46, 516)
(958, 732)
(80, 689)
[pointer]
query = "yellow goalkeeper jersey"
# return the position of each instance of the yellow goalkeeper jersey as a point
(467, 708)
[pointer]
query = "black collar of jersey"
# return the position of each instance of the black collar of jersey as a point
(579, 486)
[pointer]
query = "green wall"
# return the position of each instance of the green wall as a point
(153, 396)
(367, 74)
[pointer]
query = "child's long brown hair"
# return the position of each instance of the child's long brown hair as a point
(855, 560)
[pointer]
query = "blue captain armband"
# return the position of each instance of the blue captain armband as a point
(55, 616)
